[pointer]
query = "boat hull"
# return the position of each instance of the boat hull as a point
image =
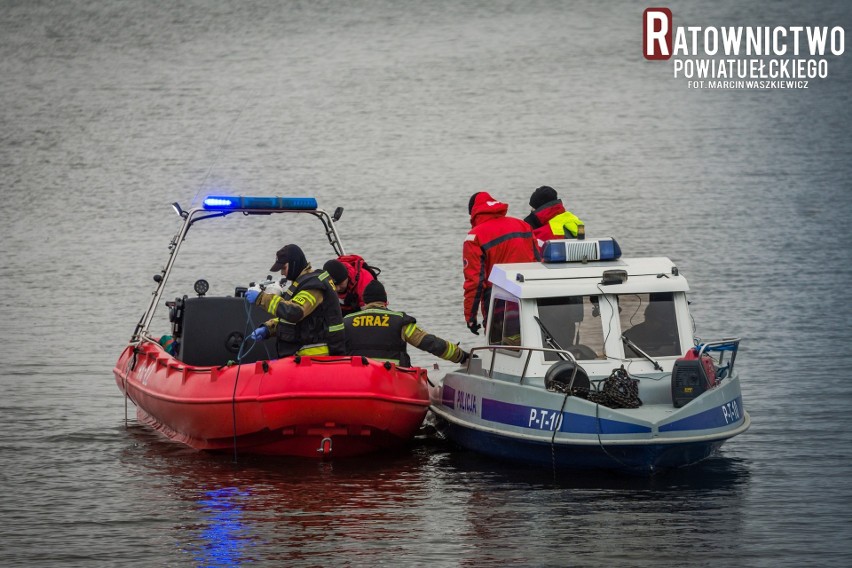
(307, 407)
(529, 424)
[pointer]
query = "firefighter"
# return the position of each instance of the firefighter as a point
(494, 238)
(307, 318)
(351, 276)
(550, 220)
(383, 334)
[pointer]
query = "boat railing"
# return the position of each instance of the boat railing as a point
(561, 353)
(722, 347)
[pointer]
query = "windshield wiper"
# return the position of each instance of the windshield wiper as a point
(635, 348)
(550, 340)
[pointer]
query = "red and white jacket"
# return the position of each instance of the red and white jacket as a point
(494, 239)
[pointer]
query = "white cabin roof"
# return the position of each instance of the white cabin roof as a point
(545, 280)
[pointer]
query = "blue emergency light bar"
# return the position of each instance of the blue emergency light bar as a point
(237, 203)
(571, 250)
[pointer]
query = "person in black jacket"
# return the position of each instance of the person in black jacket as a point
(307, 318)
(383, 334)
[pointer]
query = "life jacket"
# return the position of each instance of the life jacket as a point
(377, 333)
(360, 274)
(323, 326)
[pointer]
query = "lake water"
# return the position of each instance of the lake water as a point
(398, 112)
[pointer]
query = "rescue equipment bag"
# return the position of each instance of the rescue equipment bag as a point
(358, 262)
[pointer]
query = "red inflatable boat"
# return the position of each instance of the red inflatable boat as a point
(205, 392)
(296, 406)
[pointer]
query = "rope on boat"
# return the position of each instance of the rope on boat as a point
(131, 365)
(234, 410)
(555, 430)
(600, 442)
(240, 356)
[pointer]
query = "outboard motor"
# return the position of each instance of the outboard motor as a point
(691, 377)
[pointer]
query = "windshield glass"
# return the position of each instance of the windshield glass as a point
(575, 324)
(648, 320)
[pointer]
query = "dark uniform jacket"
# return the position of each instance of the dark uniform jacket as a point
(380, 333)
(309, 320)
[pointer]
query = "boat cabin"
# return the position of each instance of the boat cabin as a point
(605, 310)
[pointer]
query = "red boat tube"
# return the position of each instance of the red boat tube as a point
(295, 406)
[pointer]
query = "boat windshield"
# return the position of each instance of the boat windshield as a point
(649, 321)
(575, 323)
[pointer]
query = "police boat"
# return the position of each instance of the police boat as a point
(591, 363)
(209, 387)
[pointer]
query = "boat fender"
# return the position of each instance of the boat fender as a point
(558, 378)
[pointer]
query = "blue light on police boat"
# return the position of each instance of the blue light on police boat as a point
(236, 203)
(570, 250)
(609, 249)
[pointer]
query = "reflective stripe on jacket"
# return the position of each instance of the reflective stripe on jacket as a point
(552, 221)
(309, 319)
(380, 333)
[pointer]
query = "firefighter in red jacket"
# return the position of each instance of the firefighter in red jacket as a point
(495, 238)
(550, 220)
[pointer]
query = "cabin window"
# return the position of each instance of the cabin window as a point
(575, 324)
(505, 323)
(648, 320)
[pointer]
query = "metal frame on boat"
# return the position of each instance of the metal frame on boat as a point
(220, 206)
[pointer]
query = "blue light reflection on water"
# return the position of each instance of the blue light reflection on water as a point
(223, 541)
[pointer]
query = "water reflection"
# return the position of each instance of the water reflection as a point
(295, 511)
(223, 538)
(435, 504)
(518, 515)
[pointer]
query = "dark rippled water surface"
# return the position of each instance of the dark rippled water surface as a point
(109, 111)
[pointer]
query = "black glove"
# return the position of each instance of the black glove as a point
(474, 327)
(465, 357)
